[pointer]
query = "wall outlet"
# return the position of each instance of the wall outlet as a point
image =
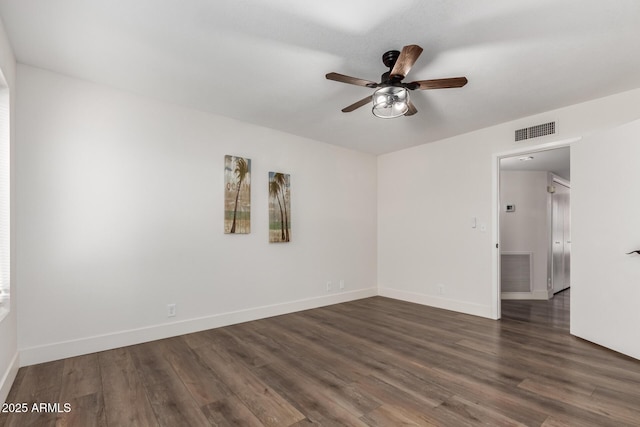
(440, 289)
(171, 310)
(328, 285)
(341, 284)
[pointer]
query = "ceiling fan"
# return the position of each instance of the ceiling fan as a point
(391, 99)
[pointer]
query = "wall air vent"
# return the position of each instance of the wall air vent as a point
(515, 271)
(536, 131)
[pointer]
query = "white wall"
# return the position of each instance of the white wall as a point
(527, 228)
(120, 200)
(428, 194)
(605, 211)
(9, 361)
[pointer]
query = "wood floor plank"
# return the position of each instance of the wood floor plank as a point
(169, 398)
(629, 398)
(417, 409)
(267, 405)
(291, 340)
(230, 411)
(369, 360)
(388, 415)
(81, 376)
(524, 406)
(327, 379)
(317, 408)
(203, 384)
(586, 403)
(306, 396)
(86, 411)
(474, 413)
(126, 402)
(225, 338)
(82, 390)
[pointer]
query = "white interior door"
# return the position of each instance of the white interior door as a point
(605, 184)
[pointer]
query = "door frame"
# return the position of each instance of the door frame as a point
(495, 214)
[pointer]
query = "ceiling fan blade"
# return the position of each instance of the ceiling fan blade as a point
(405, 61)
(440, 83)
(363, 101)
(412, 109)
(350, 80)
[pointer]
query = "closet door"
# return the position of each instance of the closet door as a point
(561, 240)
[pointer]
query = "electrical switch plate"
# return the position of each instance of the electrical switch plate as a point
(171, 310)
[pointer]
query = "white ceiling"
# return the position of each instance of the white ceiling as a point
(265, 62)
(556, 161)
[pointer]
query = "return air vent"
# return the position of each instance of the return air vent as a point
(536, 131)
(515, 274)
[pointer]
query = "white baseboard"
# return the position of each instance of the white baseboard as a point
(61, 350)
(9, 376)
(534, 295)
(438, 302)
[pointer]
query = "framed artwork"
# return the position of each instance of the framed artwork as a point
(237, 195)
(279, 207)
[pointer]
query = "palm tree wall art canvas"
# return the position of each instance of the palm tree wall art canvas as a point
(279, 207)
(237, 195)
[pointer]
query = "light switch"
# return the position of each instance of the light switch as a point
(474, 222)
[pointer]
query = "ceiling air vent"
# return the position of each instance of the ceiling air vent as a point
(536, 131)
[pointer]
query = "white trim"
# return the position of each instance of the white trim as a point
(496, 312)
(438, 302)
(9, 377)
(71, 348)
(537, 148)
(495, 201)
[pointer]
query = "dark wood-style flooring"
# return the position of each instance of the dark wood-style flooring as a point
(372, 362)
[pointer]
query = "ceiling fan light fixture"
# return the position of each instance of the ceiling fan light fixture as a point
(390, 102)
(392, 99)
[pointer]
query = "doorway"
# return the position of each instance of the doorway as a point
(526, 206)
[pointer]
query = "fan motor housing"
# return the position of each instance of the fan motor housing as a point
(387, 80)
(389, 58)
